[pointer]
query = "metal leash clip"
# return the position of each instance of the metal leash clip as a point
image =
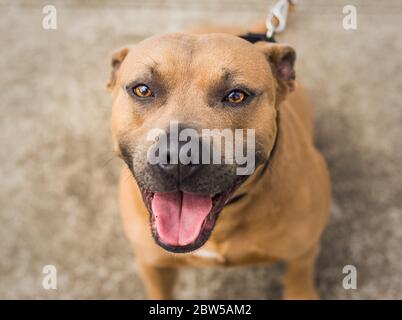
(279, 14)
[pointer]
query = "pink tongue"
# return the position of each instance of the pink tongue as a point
(179, 216)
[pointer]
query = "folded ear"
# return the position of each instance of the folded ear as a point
(116, 61)
(281, 58)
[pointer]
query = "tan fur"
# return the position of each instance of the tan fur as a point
(282, 216)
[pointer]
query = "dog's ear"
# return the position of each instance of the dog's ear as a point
(281, 58)
(116, 61)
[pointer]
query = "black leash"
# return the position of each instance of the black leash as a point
(255, 37)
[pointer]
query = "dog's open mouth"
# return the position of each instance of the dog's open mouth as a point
(182, 221)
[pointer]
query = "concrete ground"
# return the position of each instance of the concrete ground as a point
(58, 175)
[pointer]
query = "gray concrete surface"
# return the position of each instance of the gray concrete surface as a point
(58, 175)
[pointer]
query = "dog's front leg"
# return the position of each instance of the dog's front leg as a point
(299, 277)
(158, 281)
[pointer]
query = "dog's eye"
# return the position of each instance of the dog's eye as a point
(141, 91)
(236, 96)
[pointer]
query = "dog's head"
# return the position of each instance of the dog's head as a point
(167, 90)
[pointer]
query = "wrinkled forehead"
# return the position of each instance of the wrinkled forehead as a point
(207, 58)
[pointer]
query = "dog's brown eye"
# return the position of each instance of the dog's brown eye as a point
(142, 91)
(236, 96)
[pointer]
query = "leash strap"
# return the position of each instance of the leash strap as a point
(255, 37)
(275, 22)
(278, 15)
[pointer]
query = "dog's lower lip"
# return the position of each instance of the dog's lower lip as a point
(216, 197)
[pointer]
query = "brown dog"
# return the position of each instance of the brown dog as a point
(218, 81)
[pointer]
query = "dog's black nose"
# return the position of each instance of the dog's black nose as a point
(174, 167)
(178, 169)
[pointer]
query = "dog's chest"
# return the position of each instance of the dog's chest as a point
(208, 254)
(213, 256)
